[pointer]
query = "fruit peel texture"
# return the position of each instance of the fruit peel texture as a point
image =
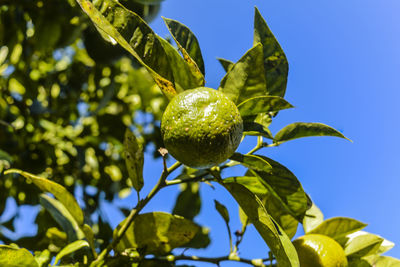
(201, 127)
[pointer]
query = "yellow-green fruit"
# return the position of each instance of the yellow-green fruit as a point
(201, 127)
(319, 251)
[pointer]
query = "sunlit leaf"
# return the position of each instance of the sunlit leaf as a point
(71, 248)
(63, 217)
(250, 182)
(184, 76)
(254, 162)
(383, 261)
(62, 194)
(134, 35)
(312, 219)
(157, 233)
(303, 129)
(43, 258)
(338, 227)
(188, 45)
(262, 104)
(15, 257)
(246, 78)
(270, 231)
(362, 244)
(134, 159)
(276, 66)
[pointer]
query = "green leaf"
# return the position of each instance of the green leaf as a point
(362, 244)
(262, 104)
(63, 217)
(226, 64)
(383, 261)
(188, 202)
(257, 125)
(250, 182)
(70, 248)
(270, 231)
(338, 227)
(122, 25)
(200, 240)
(276, 66)
(254, 162)
(285, 187)
(272, 205)
(16, 257)
(157, 233)
(134, 159)
(184, 77)
(43, 258)
(312, 219)
(288, 223)
(62, 194)
(188, 45)
(222, 210)
(246, 78)
(303, 129)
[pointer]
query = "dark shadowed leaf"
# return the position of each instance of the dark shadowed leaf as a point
(262, 104)
(63, 217)
(188, 202)
(71, 248)
(184, 76)
(62, 194)
(246, 78)
(226, 64)
(134, 35)
(254, 162)
(338, 227)
(200, 240)
(134, 159)
(222, 210)
(275, 63)
(303, 129)
(312, 219)
(187, 43)
(157, 233)
(285, 187)
(16, 257)
(270, 231)
(257, 125)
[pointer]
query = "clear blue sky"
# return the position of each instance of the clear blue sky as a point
(344, 59)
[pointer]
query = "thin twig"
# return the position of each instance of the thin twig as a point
(217, 260)
(135, 211)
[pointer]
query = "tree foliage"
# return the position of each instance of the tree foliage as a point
(83, 87)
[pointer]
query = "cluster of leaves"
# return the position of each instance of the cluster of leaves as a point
(269, 195)
(66, 98)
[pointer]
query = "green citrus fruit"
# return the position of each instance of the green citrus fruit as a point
(319, 251)
(201, 127)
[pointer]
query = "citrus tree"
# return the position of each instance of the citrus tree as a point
(84, 87)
